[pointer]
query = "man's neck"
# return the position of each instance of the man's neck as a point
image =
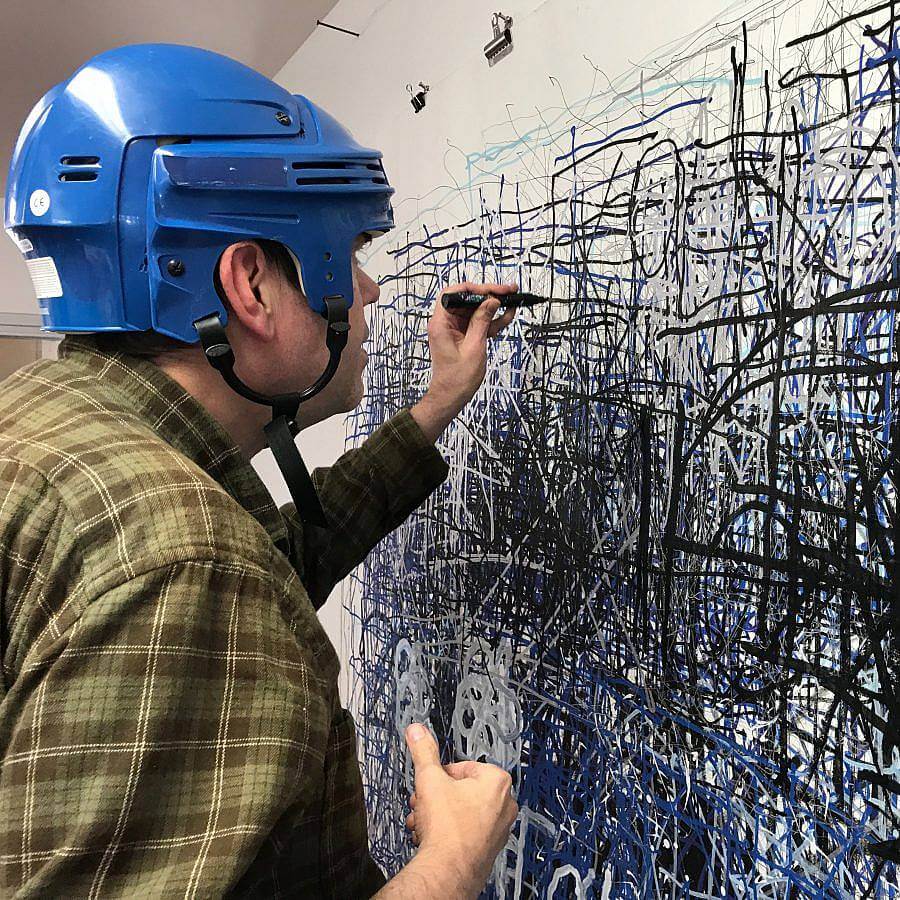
(242, 419)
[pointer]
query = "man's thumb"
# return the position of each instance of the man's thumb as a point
(422, 747)
(480, 321)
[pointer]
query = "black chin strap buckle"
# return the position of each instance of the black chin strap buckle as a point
(337, 313)
(280, 432)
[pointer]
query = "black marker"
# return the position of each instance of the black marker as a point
(465, 300)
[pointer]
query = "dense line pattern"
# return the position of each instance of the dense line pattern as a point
(660, 585)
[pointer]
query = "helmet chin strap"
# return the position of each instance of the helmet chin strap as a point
(280, 432)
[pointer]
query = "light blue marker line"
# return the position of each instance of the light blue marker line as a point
(493, 152)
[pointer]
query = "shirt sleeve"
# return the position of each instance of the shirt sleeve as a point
(366, 494)
(160, 739)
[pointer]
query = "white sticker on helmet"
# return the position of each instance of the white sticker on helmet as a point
(44, 277)
(39, 202)
(22, 243)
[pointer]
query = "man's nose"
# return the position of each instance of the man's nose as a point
(371, 289)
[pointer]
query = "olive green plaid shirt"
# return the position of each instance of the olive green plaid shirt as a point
(169, 715)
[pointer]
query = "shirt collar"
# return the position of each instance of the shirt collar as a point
(181, 421)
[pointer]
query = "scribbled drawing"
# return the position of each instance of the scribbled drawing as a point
(487, 716)
(660, 584)
(412, 701)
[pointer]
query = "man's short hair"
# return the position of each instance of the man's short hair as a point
(149, 344)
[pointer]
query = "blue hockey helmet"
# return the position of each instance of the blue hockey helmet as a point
(129, 179)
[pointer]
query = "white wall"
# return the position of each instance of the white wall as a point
(362, 81)
(17, 292)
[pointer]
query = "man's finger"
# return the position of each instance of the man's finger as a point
(412, 800)
(480, 323)
(491, 288)
(411, 822)
(422, 747)
(468, 768)
(499, 324)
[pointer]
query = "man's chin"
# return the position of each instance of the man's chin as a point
(357, 399)
(353, 399)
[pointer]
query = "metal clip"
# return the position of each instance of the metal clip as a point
(501, 44)
(417, 98)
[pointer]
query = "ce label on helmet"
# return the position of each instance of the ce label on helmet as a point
(39, 202)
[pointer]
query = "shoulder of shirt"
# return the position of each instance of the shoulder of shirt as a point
(129, 501)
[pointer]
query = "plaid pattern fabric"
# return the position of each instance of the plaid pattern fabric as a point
(169, 717)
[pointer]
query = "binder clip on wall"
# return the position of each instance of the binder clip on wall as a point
(501, 44)
(417, 98)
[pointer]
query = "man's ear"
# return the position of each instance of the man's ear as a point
(247, 283)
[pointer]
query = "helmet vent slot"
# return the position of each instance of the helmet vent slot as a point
(321, 164)
(78, 176)
(325, 180)
(80, 161)
(338, 171)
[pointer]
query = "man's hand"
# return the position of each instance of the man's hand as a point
(458, 342)
(461, 813)
(461, 817)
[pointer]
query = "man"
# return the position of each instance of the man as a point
(169, 716)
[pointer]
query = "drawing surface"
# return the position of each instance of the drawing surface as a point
(660, 584)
